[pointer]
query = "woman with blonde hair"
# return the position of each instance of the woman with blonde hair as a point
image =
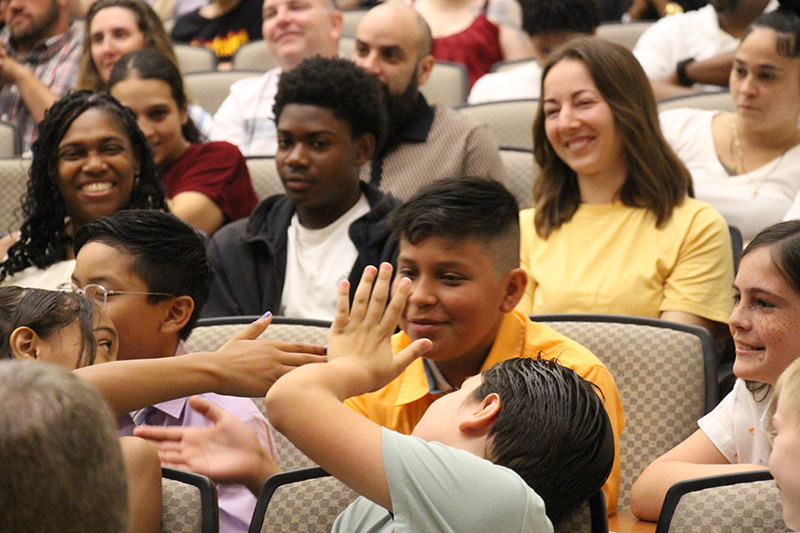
(613, 228)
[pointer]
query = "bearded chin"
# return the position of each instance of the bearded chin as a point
(399, 107)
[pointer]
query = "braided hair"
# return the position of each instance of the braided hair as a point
(44, 237)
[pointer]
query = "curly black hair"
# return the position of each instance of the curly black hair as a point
(351, 93)
(551, 16)
(44, 239)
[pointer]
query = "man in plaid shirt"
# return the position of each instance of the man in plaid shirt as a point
(39, 51)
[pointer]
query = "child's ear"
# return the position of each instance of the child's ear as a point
(478, 421)
(24, 343)
(365, 146)
(513, 289)
(178, 314)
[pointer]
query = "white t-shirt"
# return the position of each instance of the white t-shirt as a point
(778, 182)
(520, 83)
(438, 488)
(316, 261)
(245, 117)
(736, 427)
(692, 34)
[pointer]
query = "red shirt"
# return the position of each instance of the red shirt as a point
(218, 170)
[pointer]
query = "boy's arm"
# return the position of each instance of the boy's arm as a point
(243, 366)
(306, 405)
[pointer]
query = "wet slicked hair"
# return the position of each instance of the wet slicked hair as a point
(552, 429)
(464, 208)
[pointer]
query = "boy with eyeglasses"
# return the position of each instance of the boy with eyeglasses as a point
(150, 271)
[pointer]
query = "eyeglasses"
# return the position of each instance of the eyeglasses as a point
(99, 294)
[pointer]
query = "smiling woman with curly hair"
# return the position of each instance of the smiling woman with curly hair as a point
(89, 161)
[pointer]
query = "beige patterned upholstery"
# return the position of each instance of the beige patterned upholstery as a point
(13, 184)
(189, 503)
(625, 34)
(511, 121)
(521, 171)
(732, 508)
(8, 140)
(211, 333)
(503, 66)
(296, 502)
(256, 55)
(711, 100)
(264, 175)
(351, 18)
(289, 457)
(209, 89)
(447, 85)
(666, 380)
(195, 58)
(590, 517)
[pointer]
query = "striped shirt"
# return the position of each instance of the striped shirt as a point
(55, 62)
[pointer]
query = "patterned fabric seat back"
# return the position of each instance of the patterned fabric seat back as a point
(666, 376)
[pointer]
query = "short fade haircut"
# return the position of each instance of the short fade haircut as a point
(46, 313)
(351, 93)
(464, 208)
(168, 254)
(552, 16)
(62, 467)
(552, 429)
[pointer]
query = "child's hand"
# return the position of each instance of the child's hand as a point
(248, 366)
(227, 452)
(361, 338)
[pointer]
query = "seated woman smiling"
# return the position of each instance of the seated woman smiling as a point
(613, 229)
(207, 184)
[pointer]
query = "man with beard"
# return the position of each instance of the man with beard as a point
(424, 143)
(693, 51)
(39, 50)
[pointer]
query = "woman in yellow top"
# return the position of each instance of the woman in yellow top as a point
(613, 229)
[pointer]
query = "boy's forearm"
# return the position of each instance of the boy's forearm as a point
(130, 385)
(331, 383)
(306, 406)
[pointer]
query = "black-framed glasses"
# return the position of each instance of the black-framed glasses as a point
(99, 294)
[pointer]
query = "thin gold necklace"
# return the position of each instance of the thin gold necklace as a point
(737, 156)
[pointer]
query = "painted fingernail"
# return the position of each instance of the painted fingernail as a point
(266, 315)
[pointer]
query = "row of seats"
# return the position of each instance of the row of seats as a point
(520, 172)
(255, 56)
(661, 402)
(448, 84)
(511, 121)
